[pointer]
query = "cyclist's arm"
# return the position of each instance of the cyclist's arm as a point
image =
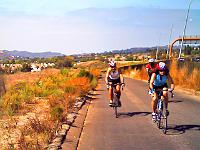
(121, 78)
(107, 74)
(153, 77)
(171, 81)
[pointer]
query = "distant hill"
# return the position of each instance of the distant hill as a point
(135, 50)
(139, 50)
(25, 54)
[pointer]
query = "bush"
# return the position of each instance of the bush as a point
(65, 71)
(56, 112)
(95, 72)
(26, 67)
(70, 89)
(18, 95)
(94, 83)
(84, 73)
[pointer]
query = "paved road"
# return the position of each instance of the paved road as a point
(134, 128)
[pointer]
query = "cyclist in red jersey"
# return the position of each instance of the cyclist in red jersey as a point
(151, 67)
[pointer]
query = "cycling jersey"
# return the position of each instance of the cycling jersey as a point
(114, 74)
(152, 68)
(160, 80)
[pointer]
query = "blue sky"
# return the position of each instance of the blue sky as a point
(92, 26)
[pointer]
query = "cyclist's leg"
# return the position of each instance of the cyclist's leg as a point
(149, 75)
(154, 102)
(119, 94)
(118, 90)
(117, 87)
(154, 106)
(110, 93)
(165, 94)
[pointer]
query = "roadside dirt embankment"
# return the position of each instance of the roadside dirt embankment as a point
(185, 78)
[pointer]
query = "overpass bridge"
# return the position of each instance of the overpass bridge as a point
(186, 40)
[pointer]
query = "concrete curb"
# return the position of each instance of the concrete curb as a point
(65, 126)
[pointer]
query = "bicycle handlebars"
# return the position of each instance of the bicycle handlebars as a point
(114, 85)
(171, 91)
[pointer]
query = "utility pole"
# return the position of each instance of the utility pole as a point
(170, 37)
(186, 20)
(158, 47)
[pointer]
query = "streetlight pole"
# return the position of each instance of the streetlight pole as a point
(158, 47)
(186, 20)
(170, 36)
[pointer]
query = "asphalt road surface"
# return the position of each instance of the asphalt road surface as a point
(134, 129)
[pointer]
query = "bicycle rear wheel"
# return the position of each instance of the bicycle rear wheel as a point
(164, 119)
(116, 103)
(116, 113)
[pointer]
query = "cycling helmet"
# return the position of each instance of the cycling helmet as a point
(112, 64)
(151, 60)
(162, 66)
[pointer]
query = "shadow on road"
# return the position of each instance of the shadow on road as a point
(175, 101)
(131, 114)
(98, 90)
(180, 129)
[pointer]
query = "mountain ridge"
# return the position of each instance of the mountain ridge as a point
(26, 54)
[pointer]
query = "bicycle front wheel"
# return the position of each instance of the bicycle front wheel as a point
(164, 119)
(159, 119)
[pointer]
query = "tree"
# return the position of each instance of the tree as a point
(187, 50)
(129, 58)
(64, 61)
(26, 67)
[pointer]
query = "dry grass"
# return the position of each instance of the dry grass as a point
(181, 75)
(30, 77)
(35, 134)
(93, 65)
(57, 89)
(141, 74)
(137, 73)
(128, 63)
(184, 78)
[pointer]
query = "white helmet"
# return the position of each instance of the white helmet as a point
(162, 66)
(151, 60)
(112, 64)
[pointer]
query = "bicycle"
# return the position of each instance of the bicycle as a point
(162, 113)
(116, 98)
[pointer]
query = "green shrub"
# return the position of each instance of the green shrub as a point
(70, 89)
(64, 71)
(56, 112)
(44, 92)
(84, 73)
(94, 83)
(26, 67)
(16, 96)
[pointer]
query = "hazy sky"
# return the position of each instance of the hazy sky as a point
(92, 26)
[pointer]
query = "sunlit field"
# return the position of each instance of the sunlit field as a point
(183, 76)
(35, 103)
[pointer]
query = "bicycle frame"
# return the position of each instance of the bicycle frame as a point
(162, 111)
(115, 98)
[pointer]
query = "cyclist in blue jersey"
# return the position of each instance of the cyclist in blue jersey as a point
(114, 76)
(159, 81)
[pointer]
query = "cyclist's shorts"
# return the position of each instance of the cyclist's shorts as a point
(114, 81)
(160, 87)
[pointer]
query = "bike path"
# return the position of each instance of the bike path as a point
(134, 128)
